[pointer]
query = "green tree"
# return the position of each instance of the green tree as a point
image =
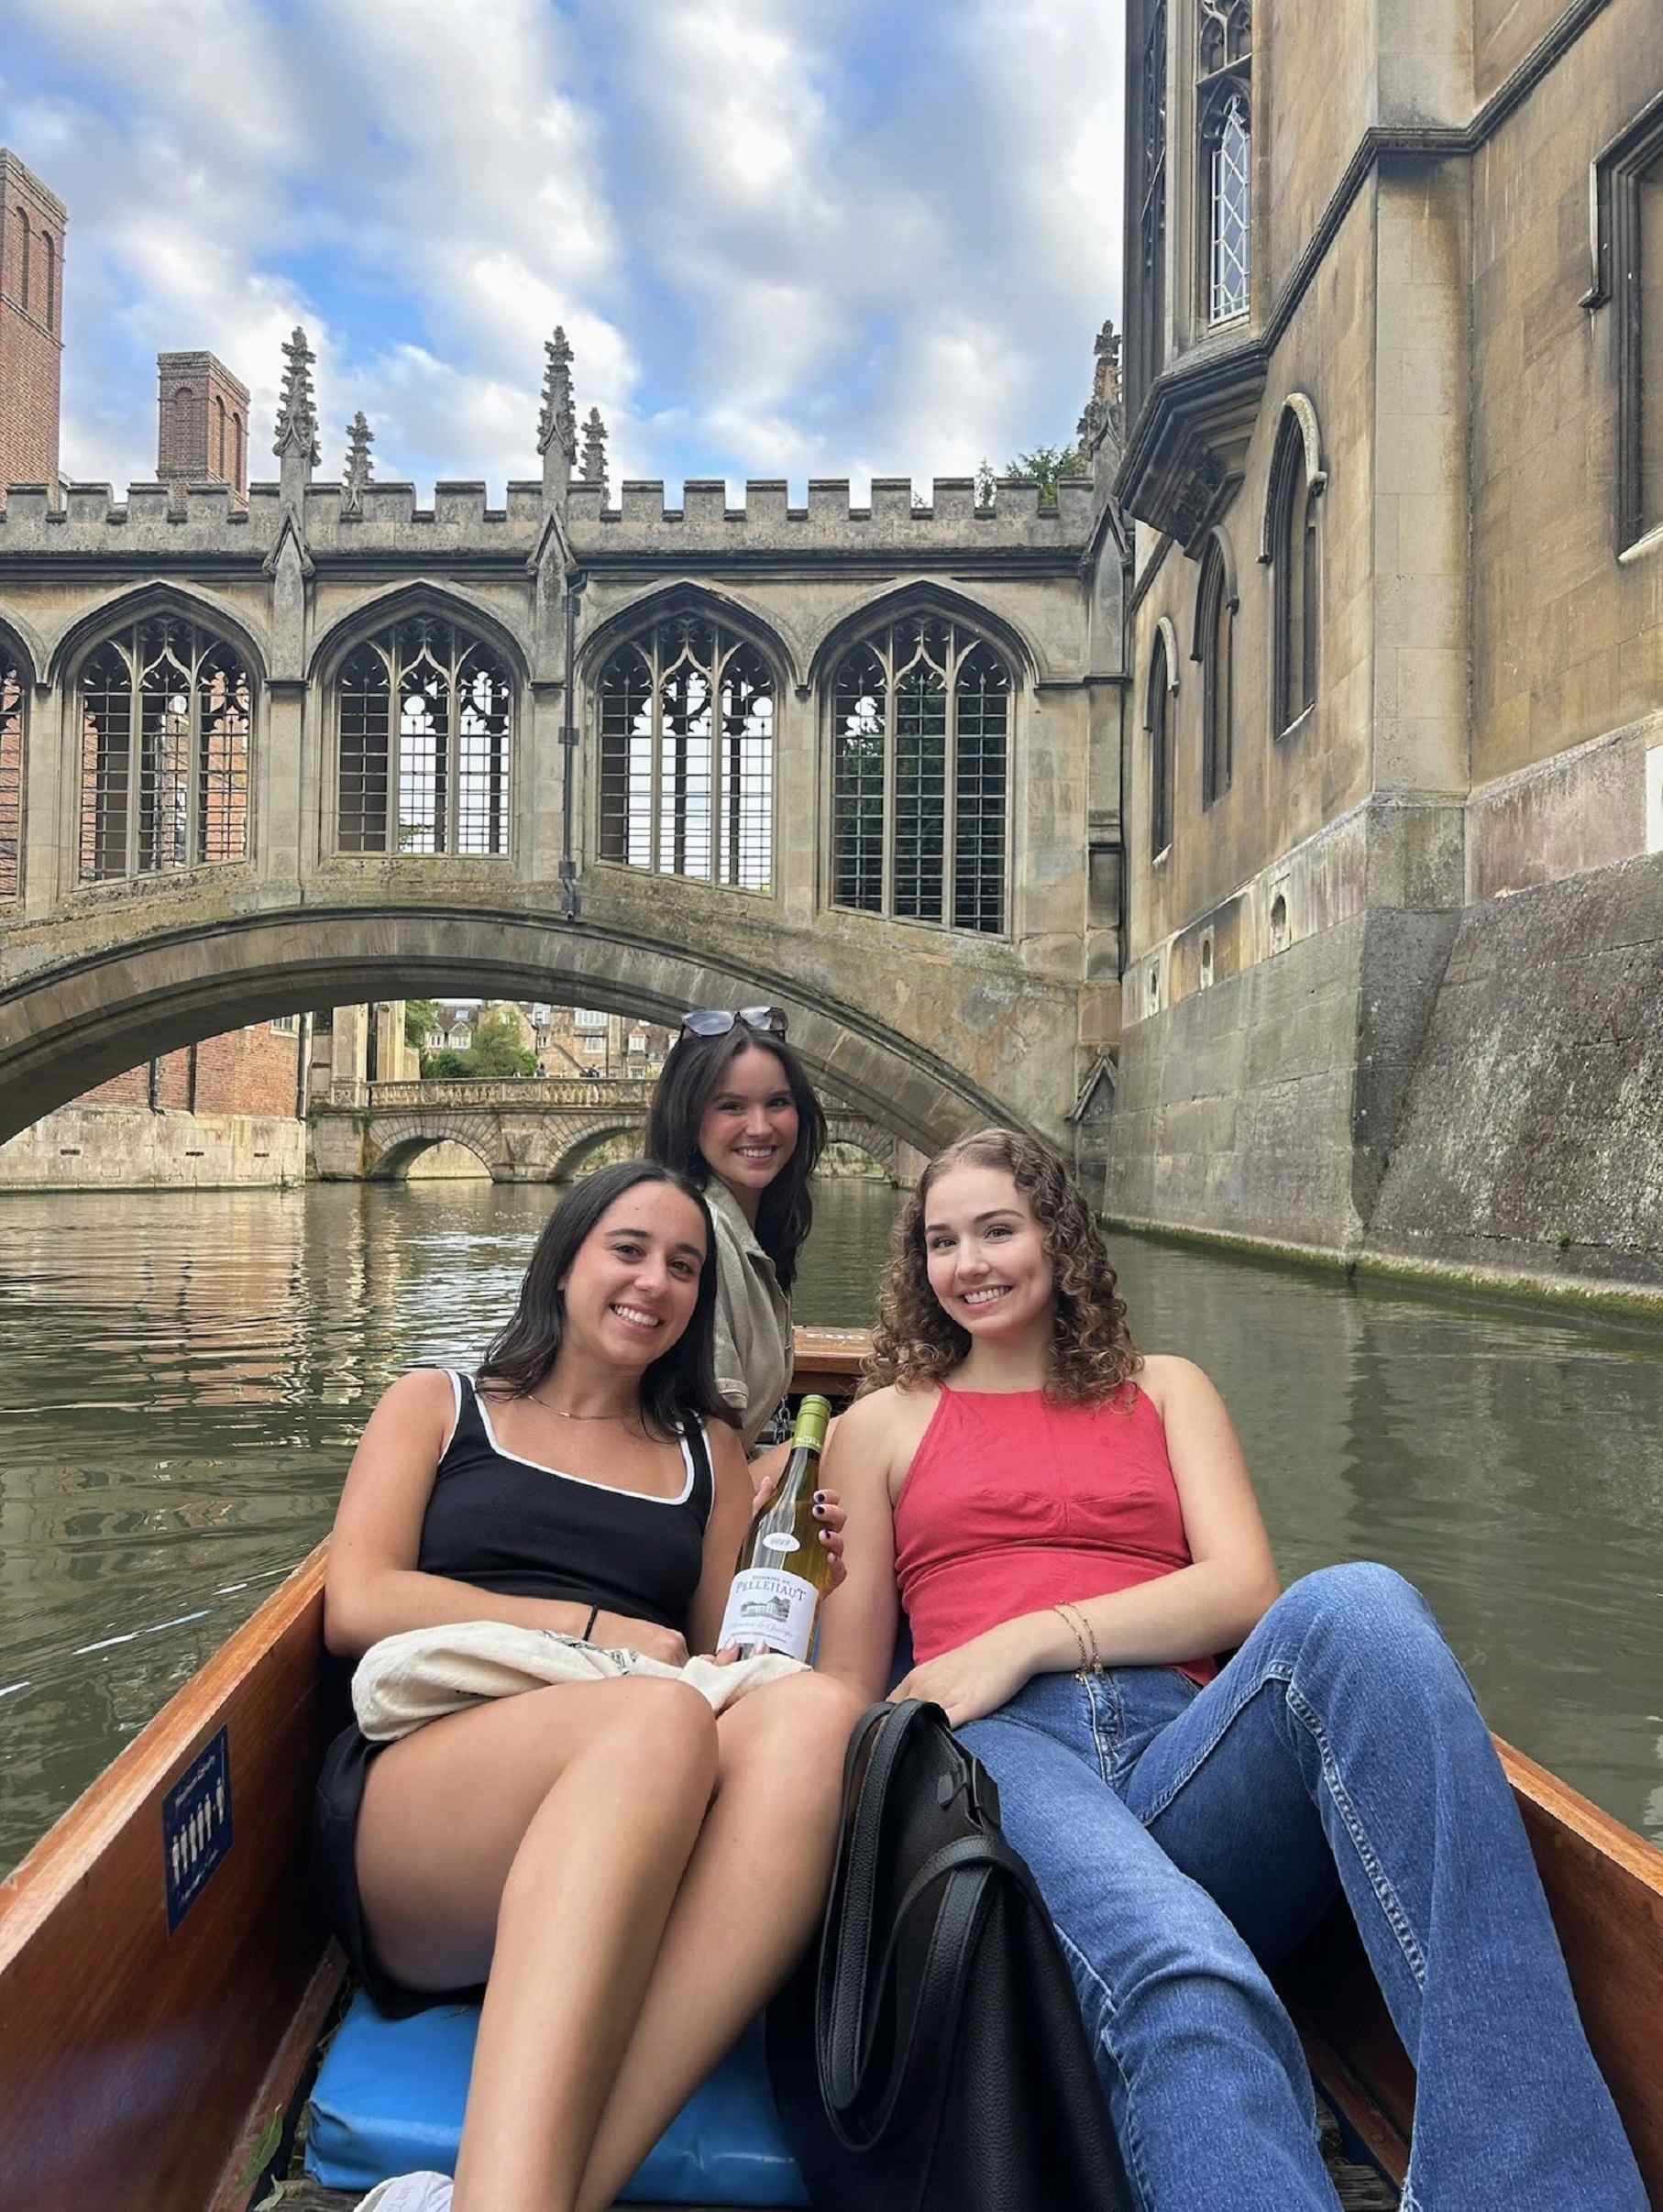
(496, 1050)
(1046, 465)
(448, 1061)
(421, 1019)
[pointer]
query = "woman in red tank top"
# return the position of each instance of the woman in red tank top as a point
(1070, 1528)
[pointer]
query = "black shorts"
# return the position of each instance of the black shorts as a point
(335, 1822)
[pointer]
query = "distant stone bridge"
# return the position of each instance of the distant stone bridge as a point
(531, 1130)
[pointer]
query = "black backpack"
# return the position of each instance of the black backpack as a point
(929, 2055)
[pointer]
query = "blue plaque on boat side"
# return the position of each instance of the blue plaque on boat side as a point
(197, 1826)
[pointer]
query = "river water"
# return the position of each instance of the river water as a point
(182, 1377)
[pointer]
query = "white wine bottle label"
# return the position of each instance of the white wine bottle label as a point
(767, 1605)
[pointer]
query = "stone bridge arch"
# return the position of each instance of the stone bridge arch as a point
(391, 1141)
(576, 1144)
(73, 1016)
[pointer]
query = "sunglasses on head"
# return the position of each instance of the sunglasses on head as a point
(716, 1021)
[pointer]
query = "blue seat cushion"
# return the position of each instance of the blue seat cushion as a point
(390, 2094)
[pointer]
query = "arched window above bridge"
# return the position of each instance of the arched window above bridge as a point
(13, 693)
(425, 740)
(921, 762)
(166, 715)
(687, 754)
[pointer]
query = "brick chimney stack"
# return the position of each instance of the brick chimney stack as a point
(32, 224)
(201, 422)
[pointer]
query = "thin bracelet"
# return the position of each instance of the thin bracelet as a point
(1063, 1615)
(1083, 1633)
(589, 1626)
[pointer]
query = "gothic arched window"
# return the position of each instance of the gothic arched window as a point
(1158, 723)
(166, 718)
(1292, 547)
(425, 718)
(1215, 603)
(687, 754)
(921, 771)
(1224, 106)
(1145, 355)
(13, 692)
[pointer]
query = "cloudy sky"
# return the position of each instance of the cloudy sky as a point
(786, 238)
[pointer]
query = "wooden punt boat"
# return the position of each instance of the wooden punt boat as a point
(146, 2067)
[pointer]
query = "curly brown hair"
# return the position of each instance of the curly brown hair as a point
(916, 1342)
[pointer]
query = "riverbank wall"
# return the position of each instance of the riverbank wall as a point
(1474, 1096)
(116, 1148)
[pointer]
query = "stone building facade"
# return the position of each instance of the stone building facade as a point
(1394, 822)
(326, 743)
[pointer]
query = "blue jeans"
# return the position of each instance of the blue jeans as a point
(1186, 1840)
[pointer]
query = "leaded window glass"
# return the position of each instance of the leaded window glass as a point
(1224, 53)
(921, 764)
(687, 714)
(11, 772)
(1152, 200)
(166, 718)
(423, 742)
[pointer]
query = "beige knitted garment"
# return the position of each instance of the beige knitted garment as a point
(420, 1675)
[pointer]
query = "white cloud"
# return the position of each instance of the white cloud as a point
(785, 237)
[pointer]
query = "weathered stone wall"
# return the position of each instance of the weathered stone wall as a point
(1567, 640)
(1533, 1137)
(1264, 1105)
(109, 1147)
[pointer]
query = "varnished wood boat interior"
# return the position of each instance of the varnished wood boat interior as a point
(151, 2071)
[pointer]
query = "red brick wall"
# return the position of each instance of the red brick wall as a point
(201, 422)
(244, 1071)
(31, 341)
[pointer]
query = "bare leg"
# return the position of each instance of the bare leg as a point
(752, 1895)
(539, 1839)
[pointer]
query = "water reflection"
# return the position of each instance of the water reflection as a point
(182, 1377)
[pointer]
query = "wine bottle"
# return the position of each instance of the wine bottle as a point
(783, 1569)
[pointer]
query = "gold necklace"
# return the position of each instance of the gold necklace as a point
(560, 1413)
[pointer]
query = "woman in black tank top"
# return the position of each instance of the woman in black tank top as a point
(588, 1851)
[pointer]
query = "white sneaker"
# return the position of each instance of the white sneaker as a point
(410, 2193)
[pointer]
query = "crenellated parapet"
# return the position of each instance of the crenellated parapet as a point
(384, 520)
(767, 522)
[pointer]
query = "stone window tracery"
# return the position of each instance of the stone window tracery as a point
(12, 699)
(166, 720)
(1224, 106)
(423, 742)
(686, 715)
(1159, 725)
(1294, 548)
(921, 764)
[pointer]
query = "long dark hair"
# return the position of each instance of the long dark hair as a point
(681, 1383)
(691, 1078)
